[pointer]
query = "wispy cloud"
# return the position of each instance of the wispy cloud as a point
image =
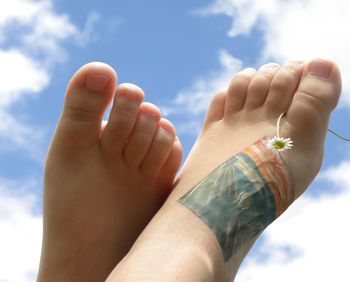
(194, 101)
(245, 13)
(15, 134)
(87, 35)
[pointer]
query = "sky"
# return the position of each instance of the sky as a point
(180, 53)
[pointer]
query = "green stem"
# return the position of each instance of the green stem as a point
(338, 135)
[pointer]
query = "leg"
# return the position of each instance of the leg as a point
(221, 203)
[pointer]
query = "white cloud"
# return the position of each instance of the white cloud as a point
(19, 10)
(246, 13)
(20, 233)
(315, 230)
(19, 75)
(39, 29)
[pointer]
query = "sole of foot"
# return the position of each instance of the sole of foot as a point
(103, 180)
(238, 117)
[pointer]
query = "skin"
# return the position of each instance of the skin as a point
(177, 245)
(103, 181)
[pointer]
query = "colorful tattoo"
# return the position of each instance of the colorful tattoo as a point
(241, 197)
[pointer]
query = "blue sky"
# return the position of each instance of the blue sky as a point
(180, 53)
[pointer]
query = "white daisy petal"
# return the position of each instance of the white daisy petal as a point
(279, 144)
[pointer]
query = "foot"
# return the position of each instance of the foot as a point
(103, 181)
(182, 236)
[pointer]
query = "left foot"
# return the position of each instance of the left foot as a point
(188, 241)
(103, 183)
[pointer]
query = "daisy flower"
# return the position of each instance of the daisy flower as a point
(279, 144)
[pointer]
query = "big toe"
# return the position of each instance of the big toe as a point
(316, 96)
(88, 94)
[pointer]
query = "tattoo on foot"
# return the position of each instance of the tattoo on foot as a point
(242, 196)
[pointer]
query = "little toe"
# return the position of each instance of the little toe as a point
(259, 86)
(216, 108)
(168, 171)
(282, 88)
(88, 94)
(142, 135)
(159, 150)
(122, 119)
(237, 91)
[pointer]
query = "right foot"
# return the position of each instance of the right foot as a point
(177, 245)
(103, 183)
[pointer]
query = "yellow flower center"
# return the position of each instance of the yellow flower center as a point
(279, 144)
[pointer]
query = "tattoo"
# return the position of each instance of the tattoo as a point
(241, 197)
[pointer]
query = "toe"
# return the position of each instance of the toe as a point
(237, 91)
(216, 108)
(259, 86)
(122, 119)
(142, 135)
(282, 88)
(88, 94)
(317, 94)
(159, 150)
(168, 171)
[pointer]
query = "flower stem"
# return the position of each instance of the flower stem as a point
(330, 130)
(338, 135)
(278, 124)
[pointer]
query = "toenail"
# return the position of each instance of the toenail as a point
(248, 71)
(148, 116)
(96, 81)
(269, 66)
(295, 62)
(320, 68)
(163, 133)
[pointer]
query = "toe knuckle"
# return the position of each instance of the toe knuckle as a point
(283, 82)
(240, 81)
(80, 113)
(260, 81)
(218, 97)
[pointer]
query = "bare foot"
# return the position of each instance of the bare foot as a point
(222, 203)
(103, 183)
